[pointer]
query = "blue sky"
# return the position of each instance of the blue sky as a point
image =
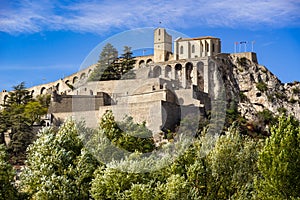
(44, 40)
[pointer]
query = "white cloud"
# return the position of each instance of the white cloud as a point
(101, 16)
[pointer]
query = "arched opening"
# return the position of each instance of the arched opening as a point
(200, 76)
(89, 72)
(32, 92)
(193, 48)
(178, 72)
(168, 71)
(75, 79)
(188, 74)
(141, 63)
(181, 49)
(43, 90)
(149, 61)
(156, 71)
(82, 76)
(57, 87)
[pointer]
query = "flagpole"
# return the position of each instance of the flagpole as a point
(234, 47)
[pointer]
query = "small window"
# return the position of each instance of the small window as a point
(181, 49)
(158, 31)
(193, 48)
(213, 47)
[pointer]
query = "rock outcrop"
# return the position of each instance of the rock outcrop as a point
(255, 88)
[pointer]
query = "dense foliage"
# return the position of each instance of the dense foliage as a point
(279, 162)
(191, 176)
(58, 166)
(61, 164)
(7, 190)
(21, 112)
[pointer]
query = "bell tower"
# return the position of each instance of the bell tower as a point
(162, 45)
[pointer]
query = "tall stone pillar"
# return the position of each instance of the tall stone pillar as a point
(206, 76)
(173, 74)
(184, 85)
(163, 71)
(194, 75)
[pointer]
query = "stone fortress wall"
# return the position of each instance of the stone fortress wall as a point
(166, 85)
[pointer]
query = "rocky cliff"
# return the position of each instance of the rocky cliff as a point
(256, 89)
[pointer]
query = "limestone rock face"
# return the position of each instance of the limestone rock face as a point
(256, 88)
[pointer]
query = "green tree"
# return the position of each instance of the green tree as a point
(7, 190)
(232, 164)
(279, 162)
(127, 64)
(19, 96)
(33, 111)
(110, 67)
(44, 100)
(17, 118)
(125, 135)
(58, 166)
(107, 58)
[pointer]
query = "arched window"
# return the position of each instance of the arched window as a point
(156, 71)
(141, 63)
(75, 79)
(193, 48)
(207, 46)
(213, 47)
(158, 31)
(181, 49)
(149, 61)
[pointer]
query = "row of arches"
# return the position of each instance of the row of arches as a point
(186, 74)
(142, 63)
(82, 76)
(58, 86)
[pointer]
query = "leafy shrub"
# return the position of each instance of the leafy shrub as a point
(266, 116)
(296, 90)
(243, 97)
(280, 95)
(242, 61)
(261, 86)
(282, 110)
(292, 100)
(270, 97)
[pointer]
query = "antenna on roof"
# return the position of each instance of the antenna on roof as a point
(252, 44)
(235, 45)
(245, 45)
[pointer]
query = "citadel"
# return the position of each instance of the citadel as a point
(169, 84)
